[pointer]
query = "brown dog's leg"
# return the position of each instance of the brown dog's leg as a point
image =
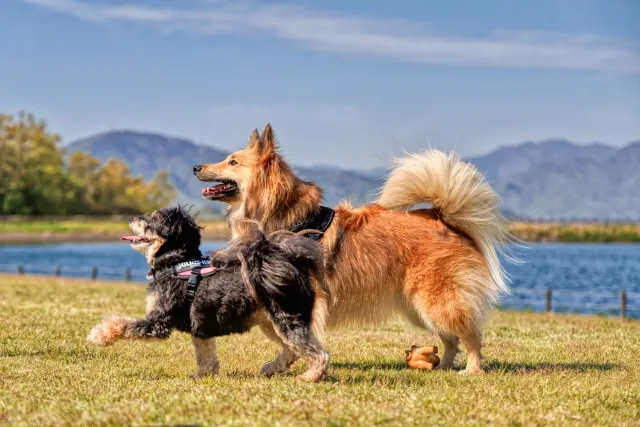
(450, 350)
(206, 356)
(471, 341)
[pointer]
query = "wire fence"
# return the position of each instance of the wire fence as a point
(126, 274)
(608, 303)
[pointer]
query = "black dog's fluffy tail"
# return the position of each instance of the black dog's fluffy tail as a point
(278, 268)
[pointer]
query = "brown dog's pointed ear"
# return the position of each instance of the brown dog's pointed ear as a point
(267, 142)
(253, 139)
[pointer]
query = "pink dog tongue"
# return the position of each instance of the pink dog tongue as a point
(130, 238)
(212, 190)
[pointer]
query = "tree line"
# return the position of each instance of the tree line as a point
(38, 178)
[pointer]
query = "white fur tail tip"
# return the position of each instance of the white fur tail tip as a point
(460, 193)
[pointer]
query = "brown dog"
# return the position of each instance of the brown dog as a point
(437, 266)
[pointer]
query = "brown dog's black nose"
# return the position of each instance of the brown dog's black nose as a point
(196, 169)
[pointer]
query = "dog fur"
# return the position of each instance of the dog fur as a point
(437, 266)
(260, 280)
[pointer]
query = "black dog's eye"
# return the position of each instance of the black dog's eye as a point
(233, 162)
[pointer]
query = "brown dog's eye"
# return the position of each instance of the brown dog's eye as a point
(233, 162)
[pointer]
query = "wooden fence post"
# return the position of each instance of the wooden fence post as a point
(547, 306)
(623, 305)
(94, 273)
(58, 271)
(20, 269)
(127, 274)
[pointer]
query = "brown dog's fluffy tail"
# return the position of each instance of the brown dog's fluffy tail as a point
(462, 196)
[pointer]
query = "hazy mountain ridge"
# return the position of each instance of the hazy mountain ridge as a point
(147, 153)
(579, 187)
(550, 179)
(510, 160)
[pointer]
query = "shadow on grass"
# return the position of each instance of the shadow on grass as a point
(391, 366)
(543, 367)
(491, 366)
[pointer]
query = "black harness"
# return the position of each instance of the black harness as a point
(320, 222)
(192, 271)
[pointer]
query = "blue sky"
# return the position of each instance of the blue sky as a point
(347, 83)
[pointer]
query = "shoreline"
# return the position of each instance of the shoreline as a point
(70, 280)
(75, 231)
(25, 238)
(9, 239)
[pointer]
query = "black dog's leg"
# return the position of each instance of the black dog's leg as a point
(301, 340)
(283, 360)
(155, 325)
(206, 356)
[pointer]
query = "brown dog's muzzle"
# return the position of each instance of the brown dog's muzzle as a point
(205, 173)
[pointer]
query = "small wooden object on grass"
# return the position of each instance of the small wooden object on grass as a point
(422, 357)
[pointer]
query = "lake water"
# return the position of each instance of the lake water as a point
(584, 278)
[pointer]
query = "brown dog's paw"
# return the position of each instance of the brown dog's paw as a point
(477, 371)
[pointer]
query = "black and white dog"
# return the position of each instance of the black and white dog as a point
(259, 280)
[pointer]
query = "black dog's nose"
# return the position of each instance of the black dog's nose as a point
(196, 169)
(131, 219)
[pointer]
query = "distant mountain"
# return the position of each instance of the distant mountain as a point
(147, 153)
(552, 179)
(510, 160)
(578, 187)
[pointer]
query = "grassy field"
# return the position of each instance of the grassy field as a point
(574, 233)
(36, 231)
(540, 369)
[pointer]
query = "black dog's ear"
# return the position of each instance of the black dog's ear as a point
(180, 229)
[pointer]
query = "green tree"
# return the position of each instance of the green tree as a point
(158, 192)
(36, 180)
(84, 169)
(33, 180)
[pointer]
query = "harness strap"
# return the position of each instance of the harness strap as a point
(320, 222)
(178, 269)
(192, 284)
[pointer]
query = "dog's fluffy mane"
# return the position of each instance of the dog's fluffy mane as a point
(277, 198)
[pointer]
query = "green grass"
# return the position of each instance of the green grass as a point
(539, 370)
(576, 233)
(103, 229)
(63, 226)
(88, 229)
(84, 230)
